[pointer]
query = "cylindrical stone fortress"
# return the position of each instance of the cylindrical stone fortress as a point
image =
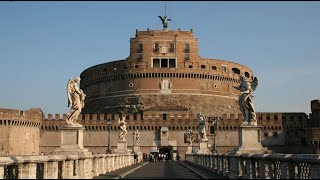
(164, 69)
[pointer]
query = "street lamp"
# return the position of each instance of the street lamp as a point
(133, 137)
(109, 151)
(215, 125)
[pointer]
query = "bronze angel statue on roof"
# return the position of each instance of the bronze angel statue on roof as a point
(76, 100)
(164, 21)
(246, 99)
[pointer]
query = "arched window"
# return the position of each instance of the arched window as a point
(247, 74)
(236, 70)
(214, 68)
(203, 66)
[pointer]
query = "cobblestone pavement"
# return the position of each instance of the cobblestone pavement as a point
(161, 170)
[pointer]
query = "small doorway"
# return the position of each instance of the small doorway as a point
(167, 152)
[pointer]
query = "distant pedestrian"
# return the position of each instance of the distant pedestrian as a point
(135, 156)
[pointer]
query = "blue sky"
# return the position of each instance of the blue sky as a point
(43, 44)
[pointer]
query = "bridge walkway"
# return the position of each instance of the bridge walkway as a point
(161, 170)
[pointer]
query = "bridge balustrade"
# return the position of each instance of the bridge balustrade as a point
(260, 166)
(61, 166)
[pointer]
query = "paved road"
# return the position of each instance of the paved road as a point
(161, 170)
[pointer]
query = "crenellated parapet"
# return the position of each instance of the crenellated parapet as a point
(174, 121)
(27, 118)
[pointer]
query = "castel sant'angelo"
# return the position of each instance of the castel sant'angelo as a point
(160, 88)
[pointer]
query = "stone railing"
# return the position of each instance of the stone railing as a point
(62, 166)
(260, 166)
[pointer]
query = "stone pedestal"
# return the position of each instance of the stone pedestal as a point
(203, 148)
(136, 149)
(189, 150)
(122, 147)
(250, 140)
(71, 141)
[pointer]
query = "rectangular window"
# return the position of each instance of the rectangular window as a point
(156, 63)
(171, 47)
(140, 49)
(164, 63)
(140, 57)
(172, 63)
(224, 68)
(156, 47)
(164, 116)
(186, 48)
(187, 57)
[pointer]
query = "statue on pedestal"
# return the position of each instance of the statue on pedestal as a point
(246, 100)
(136, 136)
(202, 127)
(123, 128)
(190, 137)
(76, 99)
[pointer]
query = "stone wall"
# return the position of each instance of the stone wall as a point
(20, 131)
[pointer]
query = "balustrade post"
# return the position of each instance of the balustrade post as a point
(315, 170)
(218, 164)
(225, 166)
(112, 162)
(67, 169)
(27, 170)
(234, 166)
(104, 163)
(271, 169)
(253, 167)
(116, 161)
(247, 169)
(210, 162)
(284, 169)
(51, 171)
(87, 166)
(214, 163)
(1, 172)
(95, 165)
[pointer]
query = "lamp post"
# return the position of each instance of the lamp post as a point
(215, 123)
(133, 137)
(109, 147)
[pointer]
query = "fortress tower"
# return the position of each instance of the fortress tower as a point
(164, 72)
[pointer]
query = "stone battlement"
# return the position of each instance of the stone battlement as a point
(179, 121)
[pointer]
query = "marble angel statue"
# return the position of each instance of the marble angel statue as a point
(246, 99)
(76, 100)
